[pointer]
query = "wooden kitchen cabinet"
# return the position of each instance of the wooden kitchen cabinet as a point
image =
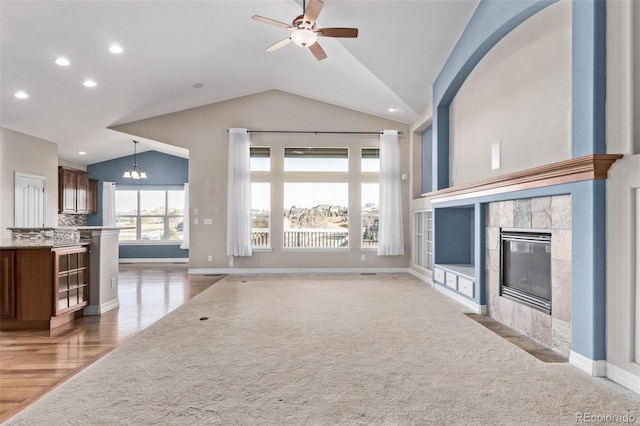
(92, 196)
(76, 194)
(70, 280)
(46, 286)
(7, 284)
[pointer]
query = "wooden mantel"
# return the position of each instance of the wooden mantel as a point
(576, 169)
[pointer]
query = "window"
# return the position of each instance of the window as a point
(260, 159)
(370, 197)
(370, 160)
(154, 215)
(316, 214)
(316, 159)
(260, 214)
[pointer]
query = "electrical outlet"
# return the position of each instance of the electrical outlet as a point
(210, 258)
(363, 257)
(231, 262)
(195, 211)
(113, 282)
(196, 221)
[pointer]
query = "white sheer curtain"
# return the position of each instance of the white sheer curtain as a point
(109, 204)
(390, 234)
(239, 195)
(185, 220)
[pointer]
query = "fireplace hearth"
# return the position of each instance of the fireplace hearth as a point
(525, 267)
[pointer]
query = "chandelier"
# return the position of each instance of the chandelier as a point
(135, 172)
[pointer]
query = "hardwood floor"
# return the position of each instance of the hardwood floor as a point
(34, 362)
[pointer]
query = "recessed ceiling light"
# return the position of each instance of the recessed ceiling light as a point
(89, 83)
(63, 62)
(21, 95)
(198, 86)
(116, 48)
(392, 109)
(82, 153)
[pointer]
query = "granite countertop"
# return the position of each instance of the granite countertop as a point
(38, 244)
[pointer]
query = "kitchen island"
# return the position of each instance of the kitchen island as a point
(43, 284)
(49, 276)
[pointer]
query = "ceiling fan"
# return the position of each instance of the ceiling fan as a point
(304, 32)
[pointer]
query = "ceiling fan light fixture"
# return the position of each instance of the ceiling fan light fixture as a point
(304, 37)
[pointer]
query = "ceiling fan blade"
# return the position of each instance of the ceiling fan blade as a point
(312, 11)
(269, 21)
(337, 32)
(278, 45)
(317, 51)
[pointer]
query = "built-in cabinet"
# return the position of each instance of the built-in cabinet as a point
(77, 194)
(42, 288)
(423, 239)
(460, 278)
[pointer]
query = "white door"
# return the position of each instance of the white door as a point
(29, 200)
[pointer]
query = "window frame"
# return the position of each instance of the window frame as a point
(138, 217)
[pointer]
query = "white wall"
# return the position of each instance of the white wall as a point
(520, 94)
(623, 136)
(203, 131)
(27, 154)
(636, 83)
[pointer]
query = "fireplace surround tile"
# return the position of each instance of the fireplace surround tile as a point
(561, 289)
(506, 214)
(522, 213)
(561, 335)
(492, 219)
(553, 331)
(561, 212)
(492, 261)
(541, 328)
(492, 237)
(541, 212)
(561, 245)
(505, 307)
(522, 319)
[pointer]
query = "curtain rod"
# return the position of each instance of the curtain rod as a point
(316, 132)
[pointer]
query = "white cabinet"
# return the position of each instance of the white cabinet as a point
(452, 280)
(459, 278)
(466, 287)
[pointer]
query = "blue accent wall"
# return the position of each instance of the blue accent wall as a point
(588, 77)
(426, 156)
(492, 20)
(453, 235)
(162, 170)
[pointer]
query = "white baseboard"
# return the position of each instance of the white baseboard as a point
(589, 366)
(475, 308)
(624, 378)
(249, 271)
(102, 308)
(154, 260)
(421, 277)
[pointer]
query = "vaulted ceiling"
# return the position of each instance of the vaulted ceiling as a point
(172, 46)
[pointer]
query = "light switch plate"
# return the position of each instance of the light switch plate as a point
(495, 155)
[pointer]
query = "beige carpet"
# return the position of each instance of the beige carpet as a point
(324, 350)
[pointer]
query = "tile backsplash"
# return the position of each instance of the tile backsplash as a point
(72, 220)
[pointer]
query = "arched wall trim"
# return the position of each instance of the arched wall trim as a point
(491, 21)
